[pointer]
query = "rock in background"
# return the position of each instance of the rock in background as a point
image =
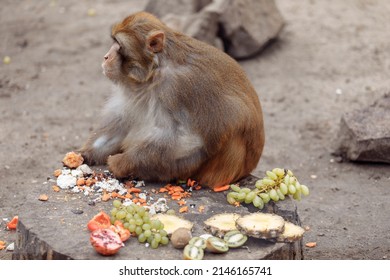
(242, 28)
(365, 134)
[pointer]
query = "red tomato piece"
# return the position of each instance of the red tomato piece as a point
(99, 221)
(105, 241)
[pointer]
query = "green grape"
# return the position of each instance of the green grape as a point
(126, 225)
(279, 172)
(161, 226)
(156, 224)
(139, 222)
(129, 217)
(286, 180)
(150, 239)
(292, 189)
(292, 180)
(142, 238)
(280, 194)
(146, 219)
(268, 182)
(273, 195)
(305, 190)
(148, 232)
(163, 233)
(235, 188)
(112, 219)
(141, 211)
(121, 214)
(132, 228)
(137, 216)
(259, 184)
(298, 186)
(249, 197)
(117, 203)
(271, 175)
(164, 240)
(283, 188)
(113, 212)
(130, 209)
(245, 190)
(157, 237)
(258, 202)
(154, 244)
(132, 221)
(265, 197)
(297, 196)
(171, 212)
(233, 194)
(241, 196)
(289, 172)
(146, 226)
(138, 230)
(231, 200)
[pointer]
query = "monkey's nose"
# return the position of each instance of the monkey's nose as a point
(106, 57)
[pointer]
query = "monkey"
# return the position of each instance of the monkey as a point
(180, 109)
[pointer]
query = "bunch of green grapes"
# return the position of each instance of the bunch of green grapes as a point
(138, 221)
(278, 184)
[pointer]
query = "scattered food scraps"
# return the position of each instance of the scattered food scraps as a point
(6, 59)
(311, 244)
(13, 223)
(43, 197)
(73, 160)
(2, 244)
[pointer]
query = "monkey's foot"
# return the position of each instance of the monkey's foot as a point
(120, 166)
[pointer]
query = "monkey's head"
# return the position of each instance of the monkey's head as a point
(138, 39)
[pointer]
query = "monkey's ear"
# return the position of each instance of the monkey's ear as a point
(155, 41)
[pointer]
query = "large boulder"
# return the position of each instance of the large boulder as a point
(364, 134)
(241, 28)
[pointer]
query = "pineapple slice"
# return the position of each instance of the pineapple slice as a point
(220, 224)
(291, 233)
(261, 225)
(172, 222)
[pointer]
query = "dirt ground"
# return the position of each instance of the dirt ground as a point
(332, 57)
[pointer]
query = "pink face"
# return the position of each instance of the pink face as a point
(112, 62)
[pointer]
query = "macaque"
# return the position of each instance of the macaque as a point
(180, 109)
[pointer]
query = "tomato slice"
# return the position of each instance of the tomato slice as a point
(123, 232)
(106, 241)
(13, 223)
(99, 221)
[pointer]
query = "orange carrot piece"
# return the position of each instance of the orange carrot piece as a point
(221, 188)
(141, 200)
(128, 196)
(114, 194)
(183, 209)
(162, 190)
(134, 190)
(201, 209)
(181, 202)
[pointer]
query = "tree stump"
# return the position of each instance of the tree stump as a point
(57, 228)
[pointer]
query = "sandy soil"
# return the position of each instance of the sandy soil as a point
(332, 57)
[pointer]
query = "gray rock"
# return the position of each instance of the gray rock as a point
(364, 134)
(249, 25)
(241, 28)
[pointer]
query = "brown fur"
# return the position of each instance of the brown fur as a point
(183, 109)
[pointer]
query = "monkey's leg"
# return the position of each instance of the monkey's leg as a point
(102, 143)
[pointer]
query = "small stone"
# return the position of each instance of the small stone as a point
(77, 211)
(85, 169)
